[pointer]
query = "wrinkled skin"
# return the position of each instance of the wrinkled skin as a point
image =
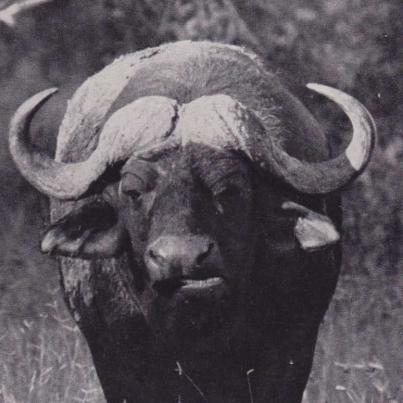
(263, 315)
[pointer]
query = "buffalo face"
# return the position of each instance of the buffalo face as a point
(189, 225)
(186, 223)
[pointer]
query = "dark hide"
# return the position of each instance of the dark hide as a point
(266, 319)
(150, 342)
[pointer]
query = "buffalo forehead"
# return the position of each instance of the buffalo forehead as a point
(200, 162)
(214, 166)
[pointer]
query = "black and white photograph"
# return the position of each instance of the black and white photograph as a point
(201, 201)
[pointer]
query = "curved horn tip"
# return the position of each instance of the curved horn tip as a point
(361, 147)
(337, 95)
(344, 100)
(334, 94)
(31, 105)
(317, 87)
(41, 96)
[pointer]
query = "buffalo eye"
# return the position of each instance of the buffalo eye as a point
(137, 177)
(133, 186)
(133, 194)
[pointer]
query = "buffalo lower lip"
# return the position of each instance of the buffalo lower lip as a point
(201, 284)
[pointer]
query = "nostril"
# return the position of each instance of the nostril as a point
(205, 254)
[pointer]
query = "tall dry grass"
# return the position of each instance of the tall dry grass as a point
(46, 360)
(358, 356)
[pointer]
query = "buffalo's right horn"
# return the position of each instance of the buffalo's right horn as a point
(137, 126)
(328, 176)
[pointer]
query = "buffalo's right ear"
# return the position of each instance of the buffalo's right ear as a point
(313, 231)
(93, 230)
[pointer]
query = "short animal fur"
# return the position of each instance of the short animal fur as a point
(195, 215)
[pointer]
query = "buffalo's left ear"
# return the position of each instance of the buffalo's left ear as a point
(93, 230)
(313, 231)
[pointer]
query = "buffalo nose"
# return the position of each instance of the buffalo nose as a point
(174, 256)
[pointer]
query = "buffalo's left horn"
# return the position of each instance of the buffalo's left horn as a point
(126, 131)
(327, 176)
(55, 179)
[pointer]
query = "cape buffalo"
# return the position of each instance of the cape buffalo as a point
(196, 216)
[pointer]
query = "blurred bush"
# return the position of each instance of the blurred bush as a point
(350, 44)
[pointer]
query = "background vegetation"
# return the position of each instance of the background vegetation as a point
(354, 45)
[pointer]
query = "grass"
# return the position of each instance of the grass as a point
(44, 358)
(358, 357)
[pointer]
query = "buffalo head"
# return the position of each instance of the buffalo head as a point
(190, 178)
(185, 182)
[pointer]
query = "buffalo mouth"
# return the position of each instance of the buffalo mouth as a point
(214, 286)
(192, 308)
